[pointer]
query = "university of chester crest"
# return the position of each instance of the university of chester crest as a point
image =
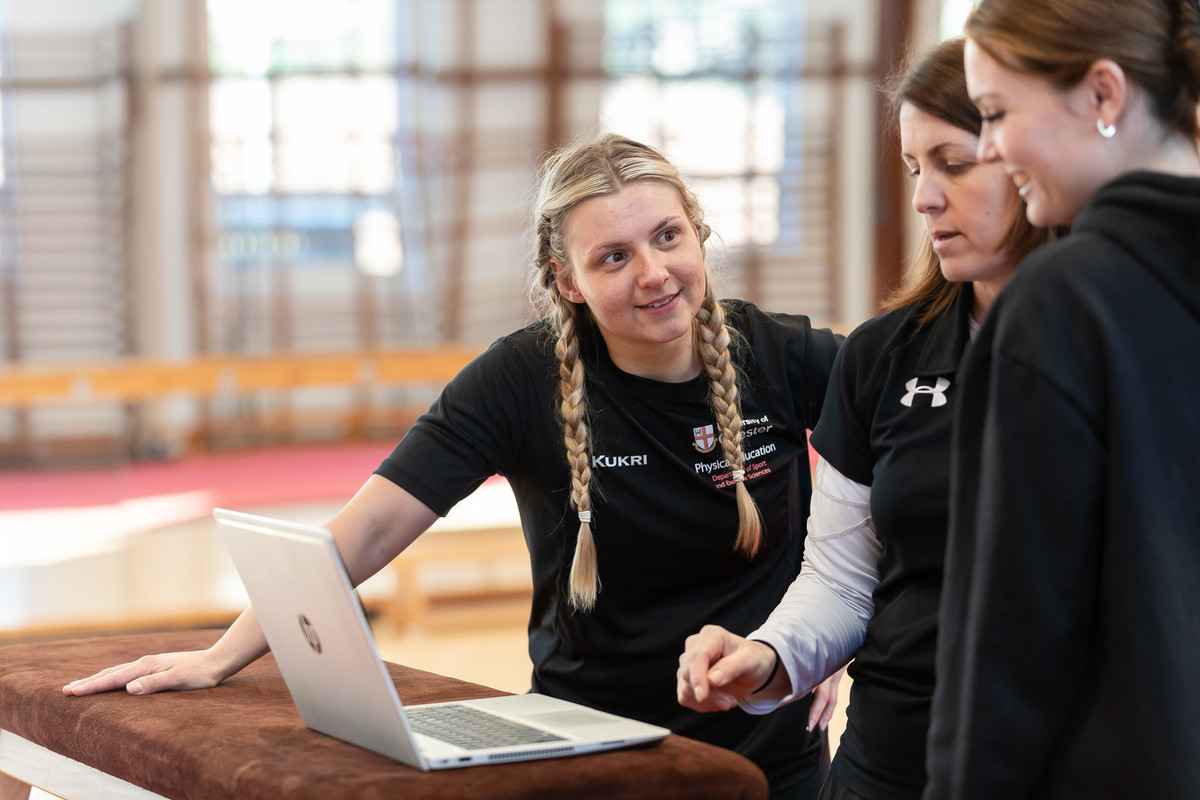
(704, 438)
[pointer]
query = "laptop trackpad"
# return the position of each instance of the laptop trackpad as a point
(571, 718)
(557, 715)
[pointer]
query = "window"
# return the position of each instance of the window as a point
(305, 122)
(708, 81)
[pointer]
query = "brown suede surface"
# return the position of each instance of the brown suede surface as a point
(245, 739)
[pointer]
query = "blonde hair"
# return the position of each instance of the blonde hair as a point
(592, 168)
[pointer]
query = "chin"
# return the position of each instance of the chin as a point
(955, 271)
(1041, 215)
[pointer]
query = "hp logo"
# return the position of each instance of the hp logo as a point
(310, 633)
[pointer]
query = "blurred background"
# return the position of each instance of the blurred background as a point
(244, 242)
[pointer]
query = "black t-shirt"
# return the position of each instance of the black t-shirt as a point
(664, 514)
(886, 424)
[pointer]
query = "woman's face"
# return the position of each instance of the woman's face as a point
(968, 206)
(636, 261)
(1045, 137)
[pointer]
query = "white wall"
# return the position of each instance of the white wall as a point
(57, 15)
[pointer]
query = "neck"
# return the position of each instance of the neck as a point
(1176, 156)
(985, 293)
(1148, 144)
(673, 362)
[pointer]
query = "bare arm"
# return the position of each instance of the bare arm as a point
(378, 523)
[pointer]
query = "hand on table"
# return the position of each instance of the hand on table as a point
(149, 674)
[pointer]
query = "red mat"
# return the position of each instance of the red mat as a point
(292, 474)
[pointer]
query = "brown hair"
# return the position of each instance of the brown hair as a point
(593, 168)
(936, 84)
(1156, 43)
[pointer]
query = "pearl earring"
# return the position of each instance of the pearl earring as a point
(1107, 131)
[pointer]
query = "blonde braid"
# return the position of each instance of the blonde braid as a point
(713, 338)
(591, 168)
(584, 579)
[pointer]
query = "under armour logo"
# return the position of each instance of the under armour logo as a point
(938, 392)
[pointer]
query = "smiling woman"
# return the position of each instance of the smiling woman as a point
(642, 280)
(1070, 641)
(618, 422)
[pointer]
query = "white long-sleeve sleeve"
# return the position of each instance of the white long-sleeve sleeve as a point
(822, 619)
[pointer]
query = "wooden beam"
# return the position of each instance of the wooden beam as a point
(895, 35)
(137, 380)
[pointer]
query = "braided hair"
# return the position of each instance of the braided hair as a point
(593, 168)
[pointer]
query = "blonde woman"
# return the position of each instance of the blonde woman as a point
(655, 440)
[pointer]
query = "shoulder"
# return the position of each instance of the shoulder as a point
(876, 341)
(1053, 316)
(881, 333)
(535, 341)
(1057, 278)
(771, 329)
(527, 352)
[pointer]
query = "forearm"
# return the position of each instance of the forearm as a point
(380, 521)
(815, 634)
(821, 620)
(376, 525)
(240, 645)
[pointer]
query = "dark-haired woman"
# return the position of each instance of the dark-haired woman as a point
(872, 576)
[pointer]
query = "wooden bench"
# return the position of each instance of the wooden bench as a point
(245, 739)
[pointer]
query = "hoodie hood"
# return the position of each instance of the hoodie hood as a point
(1156, 219)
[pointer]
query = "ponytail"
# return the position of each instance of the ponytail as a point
(1185, 53)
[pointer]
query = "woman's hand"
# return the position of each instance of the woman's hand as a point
(824, 701)
(149, 674)
(195, 669)
(719, 668)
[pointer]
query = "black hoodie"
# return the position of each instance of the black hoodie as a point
(1069, 651)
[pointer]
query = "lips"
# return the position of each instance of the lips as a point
(1022, 183)
(941, 237)
(662, 301)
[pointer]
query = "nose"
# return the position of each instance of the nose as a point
(653, 268)
(928, 197)
(986, 151)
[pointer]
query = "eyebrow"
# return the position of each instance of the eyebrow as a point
(610, 246)
(937, 149)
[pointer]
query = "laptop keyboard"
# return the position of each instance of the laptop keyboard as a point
(472, 729)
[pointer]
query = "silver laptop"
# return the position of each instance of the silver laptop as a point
(316, 628)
